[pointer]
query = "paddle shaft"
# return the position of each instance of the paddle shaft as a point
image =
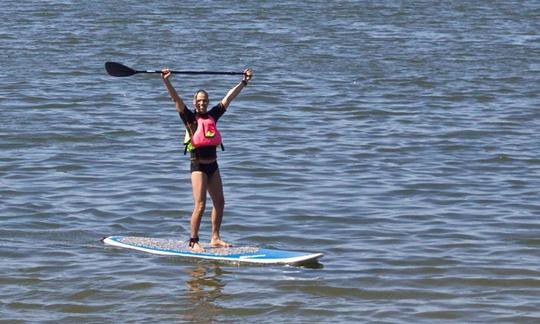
(195, 72)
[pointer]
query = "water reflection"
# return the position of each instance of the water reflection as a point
(205, 289)
(315, 264)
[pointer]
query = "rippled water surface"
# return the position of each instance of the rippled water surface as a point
(398, 138)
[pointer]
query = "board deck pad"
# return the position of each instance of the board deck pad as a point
(239, 254)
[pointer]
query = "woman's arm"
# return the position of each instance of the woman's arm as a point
(248, 74)
(165, 75)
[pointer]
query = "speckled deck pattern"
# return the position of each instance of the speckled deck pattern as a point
(182, 246)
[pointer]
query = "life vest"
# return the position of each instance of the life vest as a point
(206, 134)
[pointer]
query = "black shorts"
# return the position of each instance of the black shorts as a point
(208, 169)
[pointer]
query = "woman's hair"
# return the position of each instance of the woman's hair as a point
(199, 91)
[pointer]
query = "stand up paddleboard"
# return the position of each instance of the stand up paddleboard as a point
(240, 254)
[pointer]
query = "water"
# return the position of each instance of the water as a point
(398, 138)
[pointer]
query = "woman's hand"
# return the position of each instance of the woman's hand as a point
(165, 73)
(248, 74)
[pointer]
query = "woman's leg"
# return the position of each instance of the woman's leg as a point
(215, 189)
(199, 184)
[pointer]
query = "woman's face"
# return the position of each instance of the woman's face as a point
(201, 102)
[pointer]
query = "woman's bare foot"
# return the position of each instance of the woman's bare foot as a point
(196, 247)
(219, 243)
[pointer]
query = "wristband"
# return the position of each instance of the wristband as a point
(244, 82)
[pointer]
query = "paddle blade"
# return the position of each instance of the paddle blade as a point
(119, 70)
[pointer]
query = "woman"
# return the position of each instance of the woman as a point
(204, 139)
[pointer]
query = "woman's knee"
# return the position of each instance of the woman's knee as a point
(219, 203)
(199, 206)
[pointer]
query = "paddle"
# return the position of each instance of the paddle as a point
(120, 70)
